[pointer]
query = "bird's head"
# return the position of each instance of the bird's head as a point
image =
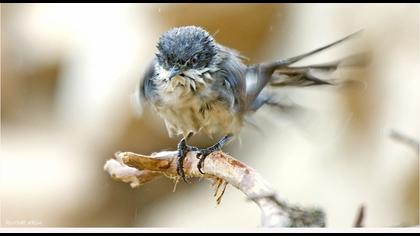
(185, 48)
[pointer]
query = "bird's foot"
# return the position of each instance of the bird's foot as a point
(183, 149)
(203, 153)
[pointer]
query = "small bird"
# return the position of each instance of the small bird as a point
(198, 85)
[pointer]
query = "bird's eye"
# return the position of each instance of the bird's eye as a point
(194, 60)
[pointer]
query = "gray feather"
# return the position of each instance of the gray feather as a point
(261, 74)
(147, 87)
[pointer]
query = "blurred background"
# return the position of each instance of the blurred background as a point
(69, 71)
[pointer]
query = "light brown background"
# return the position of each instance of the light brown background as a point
(68, 72)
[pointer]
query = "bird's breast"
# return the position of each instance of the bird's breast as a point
(188, 104)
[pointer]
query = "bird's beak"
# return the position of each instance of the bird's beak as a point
(174, 72)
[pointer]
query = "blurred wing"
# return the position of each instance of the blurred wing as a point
(259, 75)
(147, 86)
(146, 91)
(315, 74)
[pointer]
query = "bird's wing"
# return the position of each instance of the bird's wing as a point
(146, 91)
(259, 75)
(147, 87)
(319, 74)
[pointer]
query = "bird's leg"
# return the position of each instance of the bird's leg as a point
(183, 149)
(203, 153)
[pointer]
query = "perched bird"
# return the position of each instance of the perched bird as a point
(197, 85)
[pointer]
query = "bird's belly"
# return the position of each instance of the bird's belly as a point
(196, 114)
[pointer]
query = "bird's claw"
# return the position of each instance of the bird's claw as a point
(202, 154)
(183, 149)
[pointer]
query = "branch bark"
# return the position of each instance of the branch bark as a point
(220, 167)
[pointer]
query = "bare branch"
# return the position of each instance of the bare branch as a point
(128, 174)
(409, 141)
(138, 169)
(360, 217)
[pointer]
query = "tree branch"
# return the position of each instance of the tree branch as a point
(409, 141)
(360, 217)
(139, 169)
